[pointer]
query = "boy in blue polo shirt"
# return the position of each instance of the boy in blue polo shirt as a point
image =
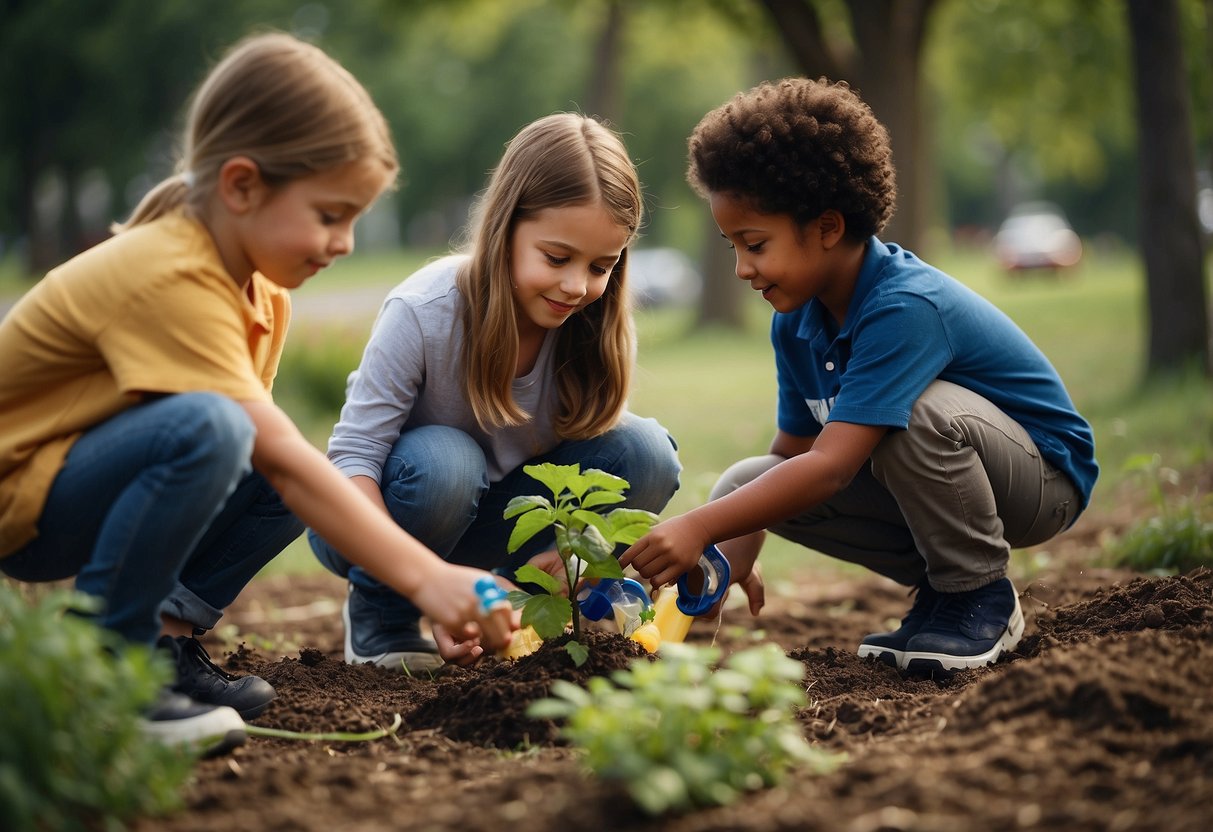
(920, 432)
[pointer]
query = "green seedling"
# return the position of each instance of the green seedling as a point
(680, 734)
(584, 530)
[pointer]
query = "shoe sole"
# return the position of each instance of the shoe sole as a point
(210, 734)
(407, 662)
(885, 655)
(943, 661)
(249, 714)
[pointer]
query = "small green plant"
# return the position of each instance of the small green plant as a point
(681, 735)
(583, 531)
(1179, 537)
(72, 755)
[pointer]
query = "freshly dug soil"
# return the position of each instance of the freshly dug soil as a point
(1101, 720)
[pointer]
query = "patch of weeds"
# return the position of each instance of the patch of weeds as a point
(680, 734)
(1176, 539)
(72, 755)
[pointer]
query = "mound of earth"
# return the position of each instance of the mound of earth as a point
(1100, 720)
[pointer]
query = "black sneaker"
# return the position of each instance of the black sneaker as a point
(201, 680)
(968, 629)
(889, 647)
(371, 638)
(209, 730)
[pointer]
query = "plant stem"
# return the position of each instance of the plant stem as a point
(332, 736)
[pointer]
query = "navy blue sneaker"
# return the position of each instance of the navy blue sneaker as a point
(202, 680)
(370, 637)
(968, 629)
(889, 647)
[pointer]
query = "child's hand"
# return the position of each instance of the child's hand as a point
(450, 600)
(755, 589)
(462, 653)
(670, 549)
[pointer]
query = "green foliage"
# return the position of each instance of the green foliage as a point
(312, 374)
(1176, 539)
(72, 756)
(680, 735)
(583, 531)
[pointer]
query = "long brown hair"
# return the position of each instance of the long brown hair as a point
(559, 161)
(281, 102)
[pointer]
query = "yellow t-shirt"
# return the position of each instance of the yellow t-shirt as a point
(151, 310)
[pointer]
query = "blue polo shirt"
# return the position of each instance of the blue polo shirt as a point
(908, 324)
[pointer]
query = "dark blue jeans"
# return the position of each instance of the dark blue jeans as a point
(435, 485)
(157, 509)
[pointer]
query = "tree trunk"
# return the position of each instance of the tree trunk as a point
(722, 302)
(886, 73)
(890, 36)
(1170, 232)
(603, 100)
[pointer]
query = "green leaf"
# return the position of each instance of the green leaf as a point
(518, 505)
(550, 709)
(555, 477)
(590, 518)
(589, 545)
(630, 524)
(518, 598)
(661, 788)
(527, 526)
(528, 574)
(608, 568)
(597, 478)
(548, 614)
(577, 486)
(601, 498)
(578, 651)
(574, 694)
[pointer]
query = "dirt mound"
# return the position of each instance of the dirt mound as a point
(1100, 720)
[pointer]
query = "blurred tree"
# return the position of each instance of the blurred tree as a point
(882, 60)
(89, 90)
(606, 74)
(1034, 105)
(1170, 238)
(458, 78)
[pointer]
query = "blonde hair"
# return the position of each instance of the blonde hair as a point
(559, 161)
(281, 102)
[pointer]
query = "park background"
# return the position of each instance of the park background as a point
(1102, 107)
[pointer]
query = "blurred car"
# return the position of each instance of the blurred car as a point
(663, 277)
(1036, 235)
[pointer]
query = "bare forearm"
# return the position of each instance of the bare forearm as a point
(350, 518)
(334, 507)
(785, 491)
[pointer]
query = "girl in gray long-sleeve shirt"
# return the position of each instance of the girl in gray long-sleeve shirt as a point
(518, 351)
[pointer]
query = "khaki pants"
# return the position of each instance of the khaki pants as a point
(948, 497)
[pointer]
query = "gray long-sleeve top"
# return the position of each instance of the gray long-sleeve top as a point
(410, 376)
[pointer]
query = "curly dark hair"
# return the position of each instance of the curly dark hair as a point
(798, 147)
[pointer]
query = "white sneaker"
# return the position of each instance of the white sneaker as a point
(207, 730)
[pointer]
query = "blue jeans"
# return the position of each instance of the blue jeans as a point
(157, 510)
(435, 485)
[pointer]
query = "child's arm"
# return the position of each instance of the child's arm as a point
(325, 499)
(672, 548)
